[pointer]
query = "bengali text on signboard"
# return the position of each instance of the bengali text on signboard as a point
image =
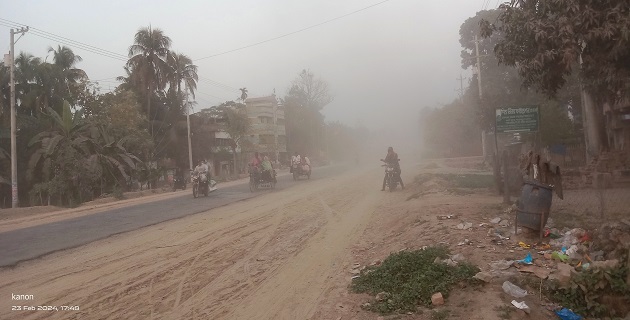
(517, 119)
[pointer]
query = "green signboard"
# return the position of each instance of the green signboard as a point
(517, 119)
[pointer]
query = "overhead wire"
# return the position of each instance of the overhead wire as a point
(294, 32)
(69, 42)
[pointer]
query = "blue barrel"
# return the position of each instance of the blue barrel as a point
(534, 205)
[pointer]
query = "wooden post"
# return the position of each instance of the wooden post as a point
(506, 185)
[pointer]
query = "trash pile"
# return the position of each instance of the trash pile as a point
(564, 254)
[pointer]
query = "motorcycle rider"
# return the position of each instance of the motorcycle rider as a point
(295, 160)
(392, 160)
(306, 164)
(267, 169)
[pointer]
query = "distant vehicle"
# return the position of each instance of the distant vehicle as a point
(300, 170)
(202, 185)
(258, 179)
(391, 178)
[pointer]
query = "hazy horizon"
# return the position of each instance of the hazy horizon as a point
(383, 64)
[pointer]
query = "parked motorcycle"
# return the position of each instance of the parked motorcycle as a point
(202, 185)
(258, 179)
(391, 176)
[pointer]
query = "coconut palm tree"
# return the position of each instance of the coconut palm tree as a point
(64, 58)
(182, 70)
(243, 94)
(148, 59)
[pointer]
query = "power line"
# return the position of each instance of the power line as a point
(66, 41)
(294, 32)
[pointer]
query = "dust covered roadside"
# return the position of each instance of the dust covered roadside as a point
(449, 204)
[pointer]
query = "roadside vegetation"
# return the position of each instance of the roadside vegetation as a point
(408, 279)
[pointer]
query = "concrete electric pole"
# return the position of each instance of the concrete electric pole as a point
(14, 181)
(190, 160)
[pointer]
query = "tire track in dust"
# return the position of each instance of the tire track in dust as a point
(295, 289)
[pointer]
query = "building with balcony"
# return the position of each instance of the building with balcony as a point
(268, 133)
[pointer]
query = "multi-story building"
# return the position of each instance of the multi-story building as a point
(268, 134)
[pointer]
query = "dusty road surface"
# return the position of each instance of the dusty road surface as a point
(270, 257)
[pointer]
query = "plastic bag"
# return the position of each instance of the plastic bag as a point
(527, 260)
(566, 314)
(513, 290)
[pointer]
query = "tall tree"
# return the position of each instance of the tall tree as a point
(237, 123)
(303, 103)
(181, 70)
(547, 40)
(243, 94)
(148, 58)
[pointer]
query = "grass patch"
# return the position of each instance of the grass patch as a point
(472, 181)
(469, 181)
(410, 278)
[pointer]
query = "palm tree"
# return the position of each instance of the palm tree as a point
(243, 94)
(65, 60)
(182, 69)
(148, 58)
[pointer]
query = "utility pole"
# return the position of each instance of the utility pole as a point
(14, 181)
(483, 132)
(190, 161)
(461, 86)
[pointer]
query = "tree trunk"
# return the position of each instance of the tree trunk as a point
(593, 123)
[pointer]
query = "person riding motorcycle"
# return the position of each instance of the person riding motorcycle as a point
(267, 169)
(295, 161)
(306, 164)
(392, 160)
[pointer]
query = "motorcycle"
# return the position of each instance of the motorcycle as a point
(179, 183)
(298, 170)
(202, 185)
(258, 179)
(391, 176)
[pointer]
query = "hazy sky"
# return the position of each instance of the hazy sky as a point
(383, 64)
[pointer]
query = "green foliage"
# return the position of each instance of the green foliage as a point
(584, 295)
(546, 40)
(410, 278)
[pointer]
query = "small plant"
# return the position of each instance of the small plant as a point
(588, 289)
(411, 278)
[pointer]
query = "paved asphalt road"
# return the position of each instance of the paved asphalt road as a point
(33, 242)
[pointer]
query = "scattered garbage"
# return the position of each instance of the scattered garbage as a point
(495, 220)
(513, 290)
(484, 276)
(527, 260)
(464, 226)
(504, 223)
(559, 256)
(465, 242)
(566, 314)
(538, 271)
(501, 264)
(521, 305)
(450, 216)
(523, 245)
